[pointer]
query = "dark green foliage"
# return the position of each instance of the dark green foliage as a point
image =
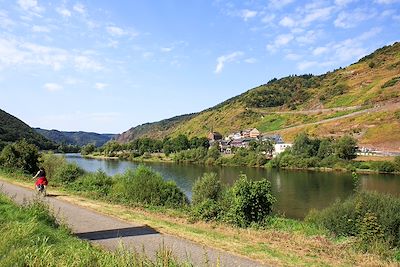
(391, 82)
(251, 202)
(290, 90)
(88, 149)
(208, 187)
(144, 186)
(367, 215)
(20, 155)
(12, 129)
(68, 173)
(345, 147)
(371, 64)
(387, 166)
(304, 146)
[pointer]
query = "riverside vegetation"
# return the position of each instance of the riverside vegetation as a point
(306, 153)
(348, 232)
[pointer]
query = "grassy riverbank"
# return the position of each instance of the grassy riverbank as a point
(31, 236)
(281, 242)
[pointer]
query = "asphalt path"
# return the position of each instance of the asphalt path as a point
(111, 233)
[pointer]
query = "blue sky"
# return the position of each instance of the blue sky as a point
(106, 66)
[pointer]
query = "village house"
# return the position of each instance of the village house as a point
(254, 133)
(279, 148)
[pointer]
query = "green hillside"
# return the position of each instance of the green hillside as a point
(75, 138)
(303, 99)
(13, 129)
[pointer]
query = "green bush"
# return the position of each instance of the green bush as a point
(145, 186)
(208, 187)
(68, 173)
(207, 210)
(364, 215)
(251, 202)
(98, 182)
(386, 166)
(20, 155)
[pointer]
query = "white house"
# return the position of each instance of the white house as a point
(279, 148)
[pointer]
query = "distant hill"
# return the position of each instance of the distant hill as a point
(75, 138)
(13, 129)
(301, 100)
(158, 129)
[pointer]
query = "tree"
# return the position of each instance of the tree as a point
(88, 149)
(325, 149)
(345, 148)
(20, 155)
(304, 146)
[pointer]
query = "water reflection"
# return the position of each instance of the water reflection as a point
(296, 191)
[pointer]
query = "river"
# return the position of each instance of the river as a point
(296, 191)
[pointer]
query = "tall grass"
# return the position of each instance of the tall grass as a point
(31, 236)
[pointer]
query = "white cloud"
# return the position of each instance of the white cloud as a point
(320, 50)
(100, 86)
(306, 65)
(278, 4)
(247, 14)
(85, 63)
(37, 28)
(115, 31)
(308, 38)
(280, 40)
(317, 14)
(63, 12)
(29, 5)
(226, 58)
(349, 20)
(250, 60)
(80, 8)
(13, 52)
(166, 49)
(287, 22)
(5, 21)
(293, 56)
(343, 2)
(268, 19)
(386, 2)
(52, 87)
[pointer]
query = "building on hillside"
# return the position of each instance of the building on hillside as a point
(279, 148)
(242, 142)
(245, 133)
(254, 133)
(276, 138)
(236, 135)
(214, 136)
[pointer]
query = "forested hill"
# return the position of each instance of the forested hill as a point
(13, 129)
(299, 100)
(75, 138)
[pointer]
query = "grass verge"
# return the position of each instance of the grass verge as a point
(31, 236)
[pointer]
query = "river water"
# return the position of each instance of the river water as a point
(296, 191)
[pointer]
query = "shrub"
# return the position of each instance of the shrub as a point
(363, 215)
(251, 202)
(20, 155)
(386, 166)
(145, 186)
(68, 173)
(207, 210)
(208, 187)
(98, 182)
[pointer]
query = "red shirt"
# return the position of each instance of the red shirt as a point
(41, 180)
